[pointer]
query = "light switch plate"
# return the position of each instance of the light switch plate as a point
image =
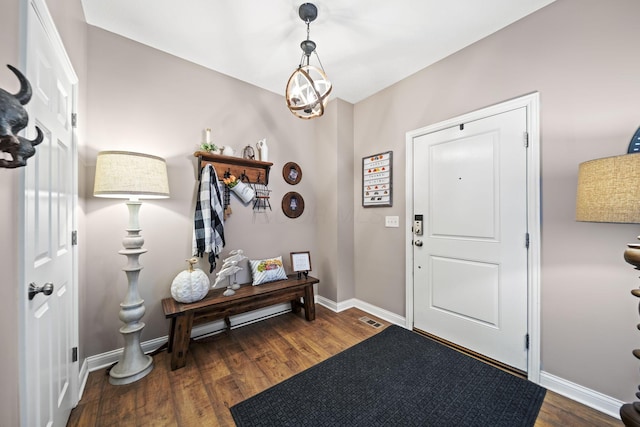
(392, 221)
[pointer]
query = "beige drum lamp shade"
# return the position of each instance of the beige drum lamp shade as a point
(124, 174)
(609, 190)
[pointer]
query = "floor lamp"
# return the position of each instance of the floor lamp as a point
(609, 191)
(132, 176)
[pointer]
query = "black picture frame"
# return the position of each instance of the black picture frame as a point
(300, 261)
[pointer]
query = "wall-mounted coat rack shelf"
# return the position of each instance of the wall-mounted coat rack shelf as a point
(255, 170)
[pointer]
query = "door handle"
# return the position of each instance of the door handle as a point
(34, 289)
(418, 243)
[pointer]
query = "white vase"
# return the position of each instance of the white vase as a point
(263, 150)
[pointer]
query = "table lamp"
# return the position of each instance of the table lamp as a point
(609, 191)
(132, 176)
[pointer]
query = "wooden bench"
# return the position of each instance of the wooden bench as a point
(215, 306)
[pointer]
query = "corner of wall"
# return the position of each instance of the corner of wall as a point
(334, 147)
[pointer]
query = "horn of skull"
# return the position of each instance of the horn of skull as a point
(14, 118)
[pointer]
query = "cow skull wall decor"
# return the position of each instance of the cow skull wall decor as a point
(15, 150)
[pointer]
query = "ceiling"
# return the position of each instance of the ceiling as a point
(364, 46)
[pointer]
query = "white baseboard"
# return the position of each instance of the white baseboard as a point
(325, 302)
(103, 360)
(364, 306)
(83, 375)
(584, 395)
(381, 313)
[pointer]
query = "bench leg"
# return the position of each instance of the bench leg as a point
(172, 331)
(295, 305)
(309, 304)
(180, 341)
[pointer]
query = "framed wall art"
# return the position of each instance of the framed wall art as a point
(292, 204)
(301, 263)
(377, 190)
(292, 173)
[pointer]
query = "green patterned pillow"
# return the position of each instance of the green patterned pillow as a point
(267, 270)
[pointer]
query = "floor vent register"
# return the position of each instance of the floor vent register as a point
(371, 322)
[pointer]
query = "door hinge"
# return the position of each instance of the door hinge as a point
(74, 238)
(74, 119)
(526, 240)
(526, 341)
(526, 139)
(74, 354)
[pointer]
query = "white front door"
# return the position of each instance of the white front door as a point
(470, 272)
(49, 374)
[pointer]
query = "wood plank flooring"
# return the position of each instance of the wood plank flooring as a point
(225, 369)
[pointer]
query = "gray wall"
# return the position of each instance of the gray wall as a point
(334, 260)
(141, 99)
(581, 57)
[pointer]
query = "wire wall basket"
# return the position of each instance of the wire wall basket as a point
(261, 201)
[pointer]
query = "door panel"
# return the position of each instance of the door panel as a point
(470, 275)
(463, 184)
(48, 221)
(482, 297)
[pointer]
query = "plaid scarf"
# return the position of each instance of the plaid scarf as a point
(208, 227)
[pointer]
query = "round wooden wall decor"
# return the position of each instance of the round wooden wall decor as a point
(292, 173)
(292, 204)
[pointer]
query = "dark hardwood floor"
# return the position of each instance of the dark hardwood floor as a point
(225, 369)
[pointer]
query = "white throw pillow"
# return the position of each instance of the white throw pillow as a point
(267, 270)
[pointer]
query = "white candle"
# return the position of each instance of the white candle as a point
(208, 135)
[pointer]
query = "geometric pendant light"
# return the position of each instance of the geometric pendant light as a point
(308, 88)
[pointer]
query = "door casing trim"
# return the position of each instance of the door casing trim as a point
(532, 104)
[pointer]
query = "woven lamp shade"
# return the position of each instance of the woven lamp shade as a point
(123, 174)
(609, 190)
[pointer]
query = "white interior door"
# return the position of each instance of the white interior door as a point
(48, 391)
(470, 274)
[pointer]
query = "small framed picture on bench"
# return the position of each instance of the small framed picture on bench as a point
(301, 263)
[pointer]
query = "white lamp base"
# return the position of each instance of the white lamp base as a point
(123, 373)
(133, 363)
